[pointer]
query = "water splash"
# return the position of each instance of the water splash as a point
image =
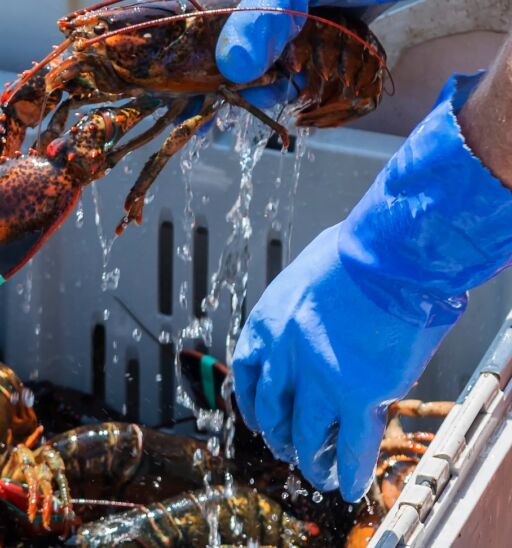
(197, 328)
(188, 157)
(233, 268)
(300, 150)
(271, 211)
(79, 214)
(26, 291)
(109, 279)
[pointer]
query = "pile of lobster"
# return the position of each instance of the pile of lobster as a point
(116, 483)
(153, 59)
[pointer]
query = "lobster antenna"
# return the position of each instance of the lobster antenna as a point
(64, 22)
(27, 75)
(112, 503)
(228, 11)
(391, 92)
(94, 7)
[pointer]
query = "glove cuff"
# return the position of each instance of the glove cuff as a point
(436, 222)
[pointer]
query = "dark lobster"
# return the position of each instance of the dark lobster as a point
(172, 64)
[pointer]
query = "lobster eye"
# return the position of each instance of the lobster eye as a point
(99, 29)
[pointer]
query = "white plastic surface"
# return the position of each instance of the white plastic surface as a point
(458, 475)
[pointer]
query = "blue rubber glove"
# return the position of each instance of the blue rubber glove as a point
(349, 326)
(251, 42)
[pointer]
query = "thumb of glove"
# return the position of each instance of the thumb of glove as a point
(251, 42)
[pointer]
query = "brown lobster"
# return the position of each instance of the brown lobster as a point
(19, 434)
(114, 58)
(138, 467)
(91, 461)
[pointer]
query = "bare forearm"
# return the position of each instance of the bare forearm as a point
(486, 119)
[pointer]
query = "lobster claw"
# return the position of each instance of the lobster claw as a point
(35, 199)
(15, 254)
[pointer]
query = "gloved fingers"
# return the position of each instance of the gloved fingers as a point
(250, 42)
(359, 441)
(315, 433)
(284, 90)
(274, 404)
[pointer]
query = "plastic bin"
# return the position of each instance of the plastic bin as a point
(57, 323)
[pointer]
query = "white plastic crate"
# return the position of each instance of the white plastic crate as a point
(59, 332)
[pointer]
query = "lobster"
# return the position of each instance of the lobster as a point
(114, 58)
(38, 192)
(140, 467)
(19, 433)
(90, 461)
(244, 516)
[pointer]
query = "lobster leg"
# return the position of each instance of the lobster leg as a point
(236, 99)
(418, 408)
(37, 469)
(147, 136)
(53, 460)
(177, 139)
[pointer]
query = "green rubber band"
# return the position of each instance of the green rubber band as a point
(2, 280)
(207, 381)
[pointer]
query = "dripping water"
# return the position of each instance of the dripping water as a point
(300, 150)
(109, 279)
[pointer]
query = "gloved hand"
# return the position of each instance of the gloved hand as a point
(250, 43)
(349, 326)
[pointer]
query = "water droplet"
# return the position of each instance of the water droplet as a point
(164, 337)
(79, 220)
(210, 421)
(317, 497)
(106, 314)
(110, 280)
(271, 209)
(183, 295)
(184, 252)
(198, 458)
(137, 334)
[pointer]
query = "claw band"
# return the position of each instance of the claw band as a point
(207, 381)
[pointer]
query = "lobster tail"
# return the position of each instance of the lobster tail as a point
(345, 79)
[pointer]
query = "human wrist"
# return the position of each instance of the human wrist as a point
(486, 116)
